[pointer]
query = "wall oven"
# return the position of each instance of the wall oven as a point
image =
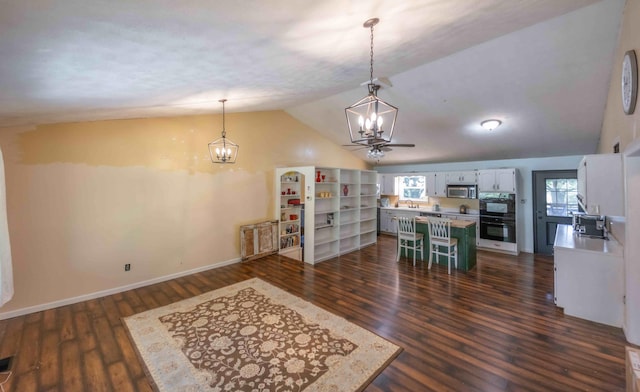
(498, 204)
(498, 216)
(497, 229)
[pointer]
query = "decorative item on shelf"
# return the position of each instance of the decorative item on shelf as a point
(318, 176)
(323, 177)
(369, 117)
(345, 190)
(223, 150)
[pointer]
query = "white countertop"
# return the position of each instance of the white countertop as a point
(568, 239)
(442, 211)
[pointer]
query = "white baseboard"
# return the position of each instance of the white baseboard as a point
(115, 290)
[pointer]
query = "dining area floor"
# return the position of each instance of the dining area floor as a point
(493, 328)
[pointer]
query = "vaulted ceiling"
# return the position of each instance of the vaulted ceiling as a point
(542, 67)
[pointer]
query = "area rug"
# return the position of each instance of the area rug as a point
(253, 336)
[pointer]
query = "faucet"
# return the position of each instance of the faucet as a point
(411, 204)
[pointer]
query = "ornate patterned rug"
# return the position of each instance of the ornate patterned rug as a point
(253, 336)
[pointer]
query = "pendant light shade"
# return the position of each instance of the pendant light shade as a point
(371, 120)
(223, 150)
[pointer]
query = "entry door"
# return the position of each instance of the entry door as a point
(554, 201)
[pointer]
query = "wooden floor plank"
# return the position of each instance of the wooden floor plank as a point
(494, 328)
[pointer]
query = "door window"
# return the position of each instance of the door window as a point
(561, 196)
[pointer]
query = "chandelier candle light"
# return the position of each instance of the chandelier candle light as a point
(223, 150)
(371, 120)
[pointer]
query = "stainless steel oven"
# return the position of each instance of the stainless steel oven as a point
(498, 204)
(497, 229)
(498, 216)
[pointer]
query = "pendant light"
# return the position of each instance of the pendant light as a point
(223, 150)
(371, 120)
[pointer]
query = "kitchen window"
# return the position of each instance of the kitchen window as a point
(562, 196)
(411, 187)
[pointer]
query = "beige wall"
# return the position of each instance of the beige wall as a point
(617, 125)
(83, 199)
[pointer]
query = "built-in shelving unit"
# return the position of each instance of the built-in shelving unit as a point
(340, 210)
(289, 194)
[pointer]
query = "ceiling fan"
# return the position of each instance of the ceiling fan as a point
(377, 147)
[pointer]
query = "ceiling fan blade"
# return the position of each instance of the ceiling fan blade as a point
(400, 145)
(356, 147)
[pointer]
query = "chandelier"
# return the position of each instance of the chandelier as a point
(223, 150)
(371, 120)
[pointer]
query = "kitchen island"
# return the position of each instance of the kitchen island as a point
(464, 231)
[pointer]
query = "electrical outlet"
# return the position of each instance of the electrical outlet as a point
(127, 267)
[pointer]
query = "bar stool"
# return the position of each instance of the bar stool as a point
(408, 239)
(440, 236)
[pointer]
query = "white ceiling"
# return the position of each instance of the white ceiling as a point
(540, 66)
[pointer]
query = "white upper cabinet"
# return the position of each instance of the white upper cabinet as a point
(497, 180)
(436, 184)
(462, 178)
(387, 184)
(600, 184)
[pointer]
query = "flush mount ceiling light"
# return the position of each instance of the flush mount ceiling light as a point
(490, 125)
(223, 150)
(371, 120)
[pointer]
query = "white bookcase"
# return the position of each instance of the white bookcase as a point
(340, 210)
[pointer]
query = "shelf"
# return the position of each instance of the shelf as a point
(289, 234)
(288, 195)
(326, 212)
(327, 241)
(290, 221)
(322, 227)
(291, 208)
(350, 235)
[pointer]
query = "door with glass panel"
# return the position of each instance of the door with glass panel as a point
(554, 201)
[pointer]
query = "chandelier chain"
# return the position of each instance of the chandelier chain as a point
(224, 132)
(371, 54)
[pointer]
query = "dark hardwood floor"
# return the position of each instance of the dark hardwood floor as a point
(494, 328)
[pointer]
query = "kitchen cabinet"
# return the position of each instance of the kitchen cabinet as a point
(498, 246)
(388, 222)
(387, 225)
(462, 178)
(600, 184)
(497, 180)
(387, 184)
(588, 277)
(340, 211)
(436, 184)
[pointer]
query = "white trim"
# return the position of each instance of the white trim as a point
(115, 290)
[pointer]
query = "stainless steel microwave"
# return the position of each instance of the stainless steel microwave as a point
(462, 191)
